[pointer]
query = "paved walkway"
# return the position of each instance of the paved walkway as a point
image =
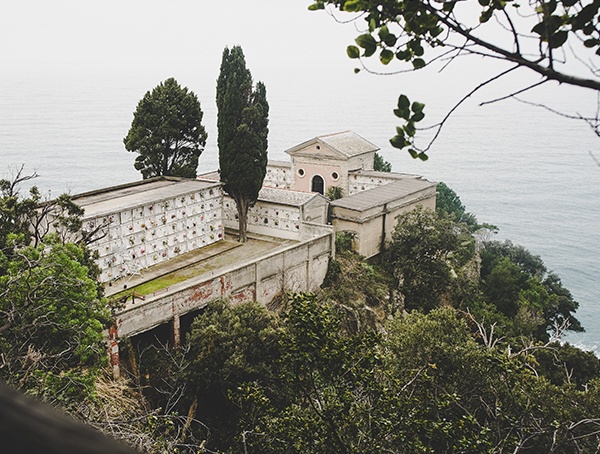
(191, 264)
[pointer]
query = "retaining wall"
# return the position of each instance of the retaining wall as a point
(300, 267)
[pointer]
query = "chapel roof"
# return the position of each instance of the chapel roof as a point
(346, 144)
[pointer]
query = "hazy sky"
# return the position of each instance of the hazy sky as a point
(185, 35)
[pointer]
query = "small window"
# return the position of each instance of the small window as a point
(318, 147)
(301, 172)
(335, 176)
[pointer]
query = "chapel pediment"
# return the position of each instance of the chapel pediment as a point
(340, 146)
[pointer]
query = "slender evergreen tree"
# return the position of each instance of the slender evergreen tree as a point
(167, 132)
(242, 125)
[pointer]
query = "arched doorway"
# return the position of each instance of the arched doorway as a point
(318, 185)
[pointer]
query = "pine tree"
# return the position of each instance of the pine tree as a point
(242, 125)
(167, 132)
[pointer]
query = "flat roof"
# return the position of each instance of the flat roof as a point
(277, 163)
(383, 175)
(119, 198)
(286, 196)
(381, 195)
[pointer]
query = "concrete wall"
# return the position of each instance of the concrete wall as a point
(279, 175)
(280, 221)
(275, 219)
(144, 235)
(375, 226)
(299, 267)
(359, 183)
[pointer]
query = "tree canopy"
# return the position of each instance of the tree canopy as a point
(302, 382)
(52, 313)
(549, 38)
(167, 132)
(242, 124)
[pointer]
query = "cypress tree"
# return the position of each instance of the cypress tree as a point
(242, 126)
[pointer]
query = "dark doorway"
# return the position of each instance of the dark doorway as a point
(318, 185)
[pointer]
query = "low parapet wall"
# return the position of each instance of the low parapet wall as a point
(300, 267)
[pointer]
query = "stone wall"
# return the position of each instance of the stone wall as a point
(299, 268)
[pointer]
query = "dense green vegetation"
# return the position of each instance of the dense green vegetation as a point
(51, 308)
(448, 344)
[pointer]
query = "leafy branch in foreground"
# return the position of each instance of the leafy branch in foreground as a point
(544, 37)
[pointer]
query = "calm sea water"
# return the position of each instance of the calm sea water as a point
(516, 166)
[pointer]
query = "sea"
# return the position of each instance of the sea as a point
(532, 172)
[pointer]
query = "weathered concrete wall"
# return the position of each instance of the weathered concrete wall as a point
(144, 235)
(299, 267)
(264, 218)
(374, 227)
(279, 175)
(359, 183)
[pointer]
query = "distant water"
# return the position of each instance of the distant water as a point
(519, 167)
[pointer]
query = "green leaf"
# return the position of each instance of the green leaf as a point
(370, 51)
(591, 42)
(383, 32)
(418, 63)
(436, 32)
(372, 24)
(413, 153)
(540, 29)
(356, 70)
(390, 40)
(449, 6)
(558, 39)
(422, 156)
(403, 55)
(353, 52)
(414, 44)
(316, 6)
(366, 41)
(486, 15)
(402, 113)
(417, 117)
(403, 102)
(386, 56)
(417, 107)
(352, 5)
(398, 142)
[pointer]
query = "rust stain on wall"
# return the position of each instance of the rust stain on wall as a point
(201, 293)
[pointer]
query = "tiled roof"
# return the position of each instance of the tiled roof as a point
(346, 143)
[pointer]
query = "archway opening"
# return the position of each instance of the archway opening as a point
(318, 185)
